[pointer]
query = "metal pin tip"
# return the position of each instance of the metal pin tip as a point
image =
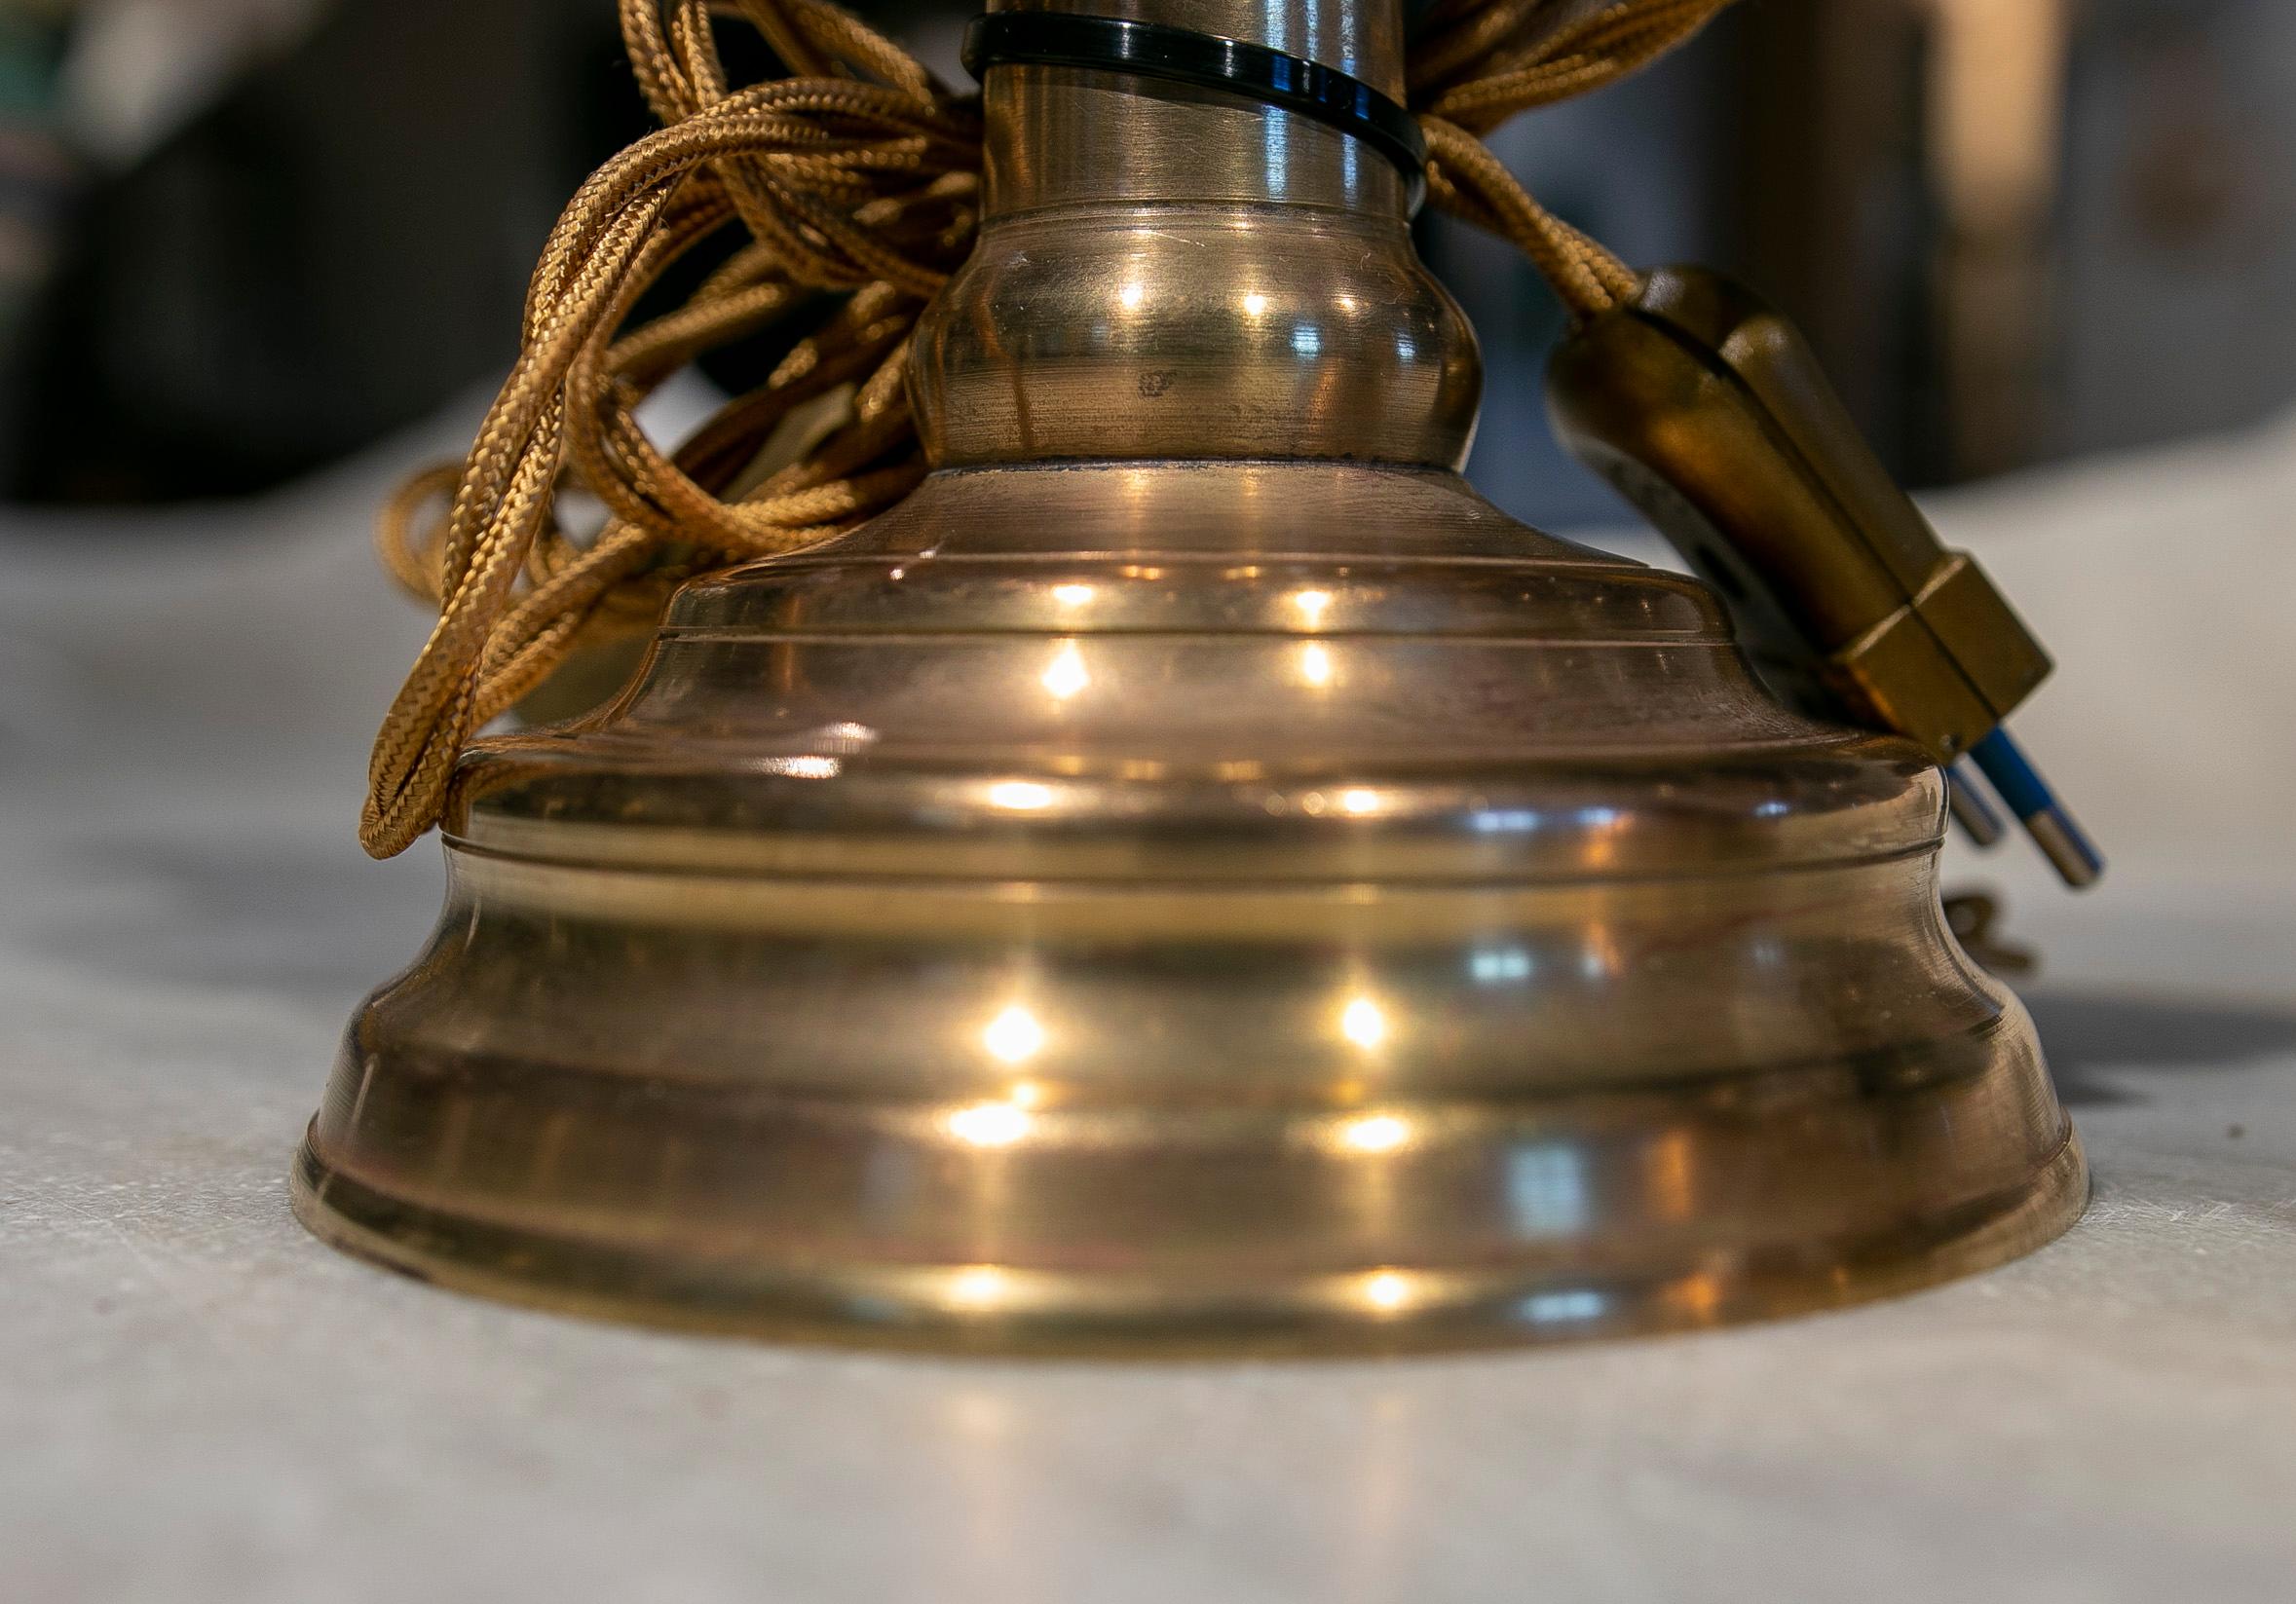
(1976, 815)
(2069, 852)
(2019, 784)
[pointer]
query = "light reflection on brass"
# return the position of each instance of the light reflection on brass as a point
(1669, 1175)
(804, 767)
(1698, 1296)
(989, 1124)
(1364, 1023)
(1066, 674)
(980, 1287)
(1563, 1308)
(1387, 1291)
(1014, 1035)
(1376, 1134)
(1020, 795)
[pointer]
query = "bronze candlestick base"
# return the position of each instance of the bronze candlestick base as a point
(1194, 876)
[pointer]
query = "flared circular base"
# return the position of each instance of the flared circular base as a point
(985, 1309)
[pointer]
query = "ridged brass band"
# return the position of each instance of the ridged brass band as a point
(1204, 60)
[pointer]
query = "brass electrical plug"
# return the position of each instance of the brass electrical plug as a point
(1704, 407)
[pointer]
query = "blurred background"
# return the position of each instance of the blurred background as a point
(240, 240)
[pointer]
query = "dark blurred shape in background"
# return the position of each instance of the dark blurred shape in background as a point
(294, 225)
(239, 239)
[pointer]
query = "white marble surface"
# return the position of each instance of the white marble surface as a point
(198, 1403)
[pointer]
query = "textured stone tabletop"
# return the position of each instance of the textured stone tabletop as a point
(198, 1403)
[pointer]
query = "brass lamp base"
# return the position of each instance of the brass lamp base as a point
(1246, 906)
(1194, 875)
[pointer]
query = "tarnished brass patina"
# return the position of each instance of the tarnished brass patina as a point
(1194, 876)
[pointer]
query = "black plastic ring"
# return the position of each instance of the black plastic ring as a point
(1206, 60)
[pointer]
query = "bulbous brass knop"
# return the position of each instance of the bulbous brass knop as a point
(1194, 876)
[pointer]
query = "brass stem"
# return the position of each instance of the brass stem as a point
(1165, 272)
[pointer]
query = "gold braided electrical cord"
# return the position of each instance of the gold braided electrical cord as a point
(855, 182)
(1477, 64)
